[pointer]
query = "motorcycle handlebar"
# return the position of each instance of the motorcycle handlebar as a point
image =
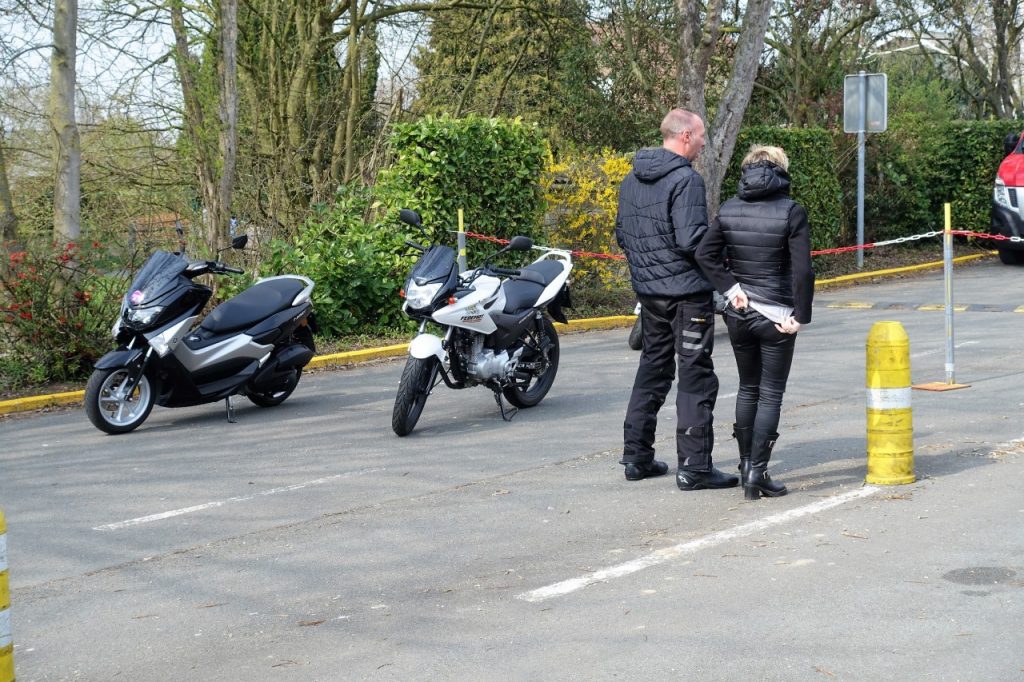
(418, 247)
(237, 271)
(508, 272)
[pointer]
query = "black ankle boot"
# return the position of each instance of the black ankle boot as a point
(636, 471)
(743, 436)
(757, 481)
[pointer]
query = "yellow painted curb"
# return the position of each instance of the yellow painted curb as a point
(37, 402)
(351, 357)
(895, 271)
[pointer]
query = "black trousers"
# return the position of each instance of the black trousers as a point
(764, 356)
(676, 331)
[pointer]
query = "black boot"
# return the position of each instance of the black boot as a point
(743, 436)
(757, 481)
(703, 480)
(637, 471)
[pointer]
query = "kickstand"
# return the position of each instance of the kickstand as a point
(229, 403)
(505, 414)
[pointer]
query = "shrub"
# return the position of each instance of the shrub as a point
(357, 266)
(582, 194)
(56, 310)
(489, 167)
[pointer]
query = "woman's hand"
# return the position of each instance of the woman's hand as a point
(788, 326)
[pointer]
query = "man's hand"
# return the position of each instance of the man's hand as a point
(739, 300)
(789, 326)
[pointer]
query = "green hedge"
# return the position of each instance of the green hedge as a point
(490, 167)
(812, 168)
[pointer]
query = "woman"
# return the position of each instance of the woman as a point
(763, 236)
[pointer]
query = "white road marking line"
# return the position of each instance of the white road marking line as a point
(943, 349)
(662, 555)
(210, 505)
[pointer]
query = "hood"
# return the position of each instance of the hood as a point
(650, 165)
(762, 179)
(1011, 170)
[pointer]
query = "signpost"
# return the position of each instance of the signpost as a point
(865, 110)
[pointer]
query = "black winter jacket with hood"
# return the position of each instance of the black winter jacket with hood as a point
(765, 237)
(661, 219)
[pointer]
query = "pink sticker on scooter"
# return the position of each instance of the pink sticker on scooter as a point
(136, 297)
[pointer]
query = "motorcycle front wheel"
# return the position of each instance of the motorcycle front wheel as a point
(539, 363)
(413, 389)
(109, 409)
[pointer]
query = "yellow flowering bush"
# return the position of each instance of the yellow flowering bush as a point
(582, 194)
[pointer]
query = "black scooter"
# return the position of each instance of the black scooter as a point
(254, 344)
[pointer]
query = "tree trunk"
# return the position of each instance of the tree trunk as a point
(67, 152)
(228, 138)
(8, 220)
(696, 45)
(215, 165)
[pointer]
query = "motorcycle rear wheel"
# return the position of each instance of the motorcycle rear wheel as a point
(111, 412)
(413, 389)
(530, 389)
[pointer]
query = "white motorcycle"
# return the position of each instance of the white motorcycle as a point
(493, 330)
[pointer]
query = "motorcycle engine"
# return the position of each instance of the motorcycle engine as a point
(486, 365)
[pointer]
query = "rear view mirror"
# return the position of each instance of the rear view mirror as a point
(1010, 142)
(240, 241)
(410, 217)
(520, 243)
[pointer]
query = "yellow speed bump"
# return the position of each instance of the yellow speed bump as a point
(6, 642)
(890, 427)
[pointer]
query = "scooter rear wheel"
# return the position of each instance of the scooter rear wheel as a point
(275, 398)
(111, 411)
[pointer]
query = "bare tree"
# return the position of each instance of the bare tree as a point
(8, 220)
(984, 39)
(67, 152)
(699, 33)
(215, 161)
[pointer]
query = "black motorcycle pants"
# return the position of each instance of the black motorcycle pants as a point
(764, 356)
(676, 331)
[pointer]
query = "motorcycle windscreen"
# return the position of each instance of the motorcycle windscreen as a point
(157, 276)
(435, 265)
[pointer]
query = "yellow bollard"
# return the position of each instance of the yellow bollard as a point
(6, 643)
(889, 415)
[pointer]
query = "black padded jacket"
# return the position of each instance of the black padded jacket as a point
(764, 236)
(662, 217)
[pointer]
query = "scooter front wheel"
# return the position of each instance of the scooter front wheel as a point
(109, 408)
(413, 389)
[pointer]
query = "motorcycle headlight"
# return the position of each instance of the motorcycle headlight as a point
(144, 315)
(1001, 196)
(420, 295)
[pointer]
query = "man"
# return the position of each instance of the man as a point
(661, 219)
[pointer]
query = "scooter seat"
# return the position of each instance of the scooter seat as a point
(522, 293)
(256, 303)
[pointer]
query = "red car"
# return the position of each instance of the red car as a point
(1008, 201)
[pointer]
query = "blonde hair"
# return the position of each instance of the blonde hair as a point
(761, 152)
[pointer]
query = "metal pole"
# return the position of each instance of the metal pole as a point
(462, 242)
(947, 266)
(862, 84)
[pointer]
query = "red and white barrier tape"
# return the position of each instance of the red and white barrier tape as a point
(840, 249)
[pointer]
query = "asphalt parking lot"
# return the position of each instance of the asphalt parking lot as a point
(307, 542)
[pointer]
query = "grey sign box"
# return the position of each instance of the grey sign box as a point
(877, 101)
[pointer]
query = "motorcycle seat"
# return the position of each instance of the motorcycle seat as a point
(522, 293)
(256, 303)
